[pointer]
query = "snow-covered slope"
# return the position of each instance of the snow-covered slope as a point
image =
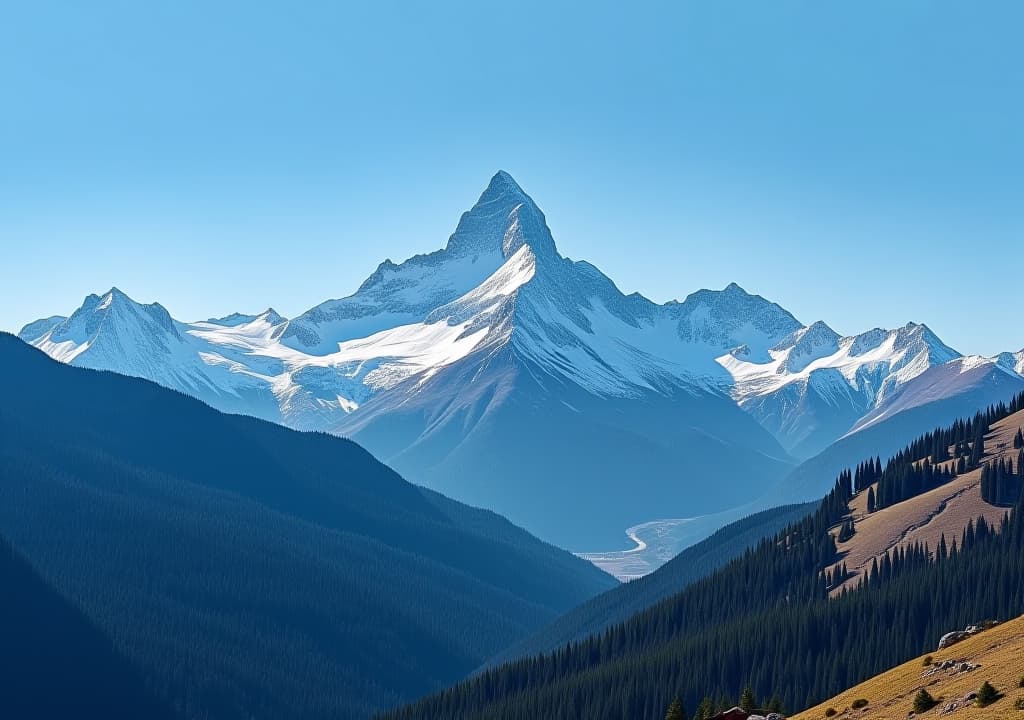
(505, 374)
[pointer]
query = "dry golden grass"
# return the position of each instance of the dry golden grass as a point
(1000, 653)
(925, 518)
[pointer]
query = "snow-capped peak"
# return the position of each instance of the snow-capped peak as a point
(732, 317)
(502, 220)
(807, 345)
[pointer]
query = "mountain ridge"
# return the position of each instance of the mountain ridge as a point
(498, 306)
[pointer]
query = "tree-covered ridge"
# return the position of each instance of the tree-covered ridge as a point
(766, 621)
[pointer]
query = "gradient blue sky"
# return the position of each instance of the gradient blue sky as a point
(859, 162)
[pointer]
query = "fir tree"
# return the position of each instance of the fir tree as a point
(748, 701)
(986, 694)
(706, 709)
(675, 710)
(923, 701)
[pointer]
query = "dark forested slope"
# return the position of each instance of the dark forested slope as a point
(54, 663)
(250, 570)
(692, 564)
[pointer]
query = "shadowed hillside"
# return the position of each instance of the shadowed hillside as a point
(251, 570)
(54, 663)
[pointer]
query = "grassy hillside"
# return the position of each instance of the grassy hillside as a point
(1000, 653)
(249, 570)
(925, 519)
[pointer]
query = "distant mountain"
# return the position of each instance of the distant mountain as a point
(508, 376)
(815, 386)
(248, 570)
(54, 662)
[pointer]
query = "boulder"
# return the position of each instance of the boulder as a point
(952, 638)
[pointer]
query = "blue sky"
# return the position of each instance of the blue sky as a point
(861, 163)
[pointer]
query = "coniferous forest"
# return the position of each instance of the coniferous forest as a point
(54, 662)
(766, 621)
(689, 566)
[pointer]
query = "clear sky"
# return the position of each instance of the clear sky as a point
(859, 162)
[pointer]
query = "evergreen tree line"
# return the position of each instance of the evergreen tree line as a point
(867, 474)
(764, 621)
(922, 464)
(1000, 483)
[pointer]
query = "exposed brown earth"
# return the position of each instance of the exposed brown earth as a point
(924, 519)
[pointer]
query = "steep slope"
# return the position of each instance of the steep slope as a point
(994, 655)
(938, 515)
(250, 570)
(403, 294)
(54, 663)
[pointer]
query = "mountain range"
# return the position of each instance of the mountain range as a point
(505, 375)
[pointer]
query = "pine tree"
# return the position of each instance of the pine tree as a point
(747, 699)
(923, 701)
(676, 710)
(986, 694)
(871, 500)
